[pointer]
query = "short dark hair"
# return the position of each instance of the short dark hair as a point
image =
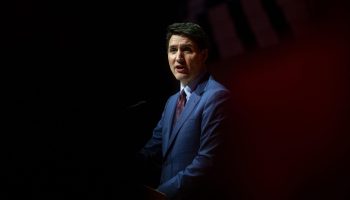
(190, 30)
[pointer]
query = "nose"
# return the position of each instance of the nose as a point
(179, 57)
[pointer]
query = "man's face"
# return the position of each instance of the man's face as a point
(186, 61)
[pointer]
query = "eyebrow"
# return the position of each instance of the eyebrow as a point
(182, 45)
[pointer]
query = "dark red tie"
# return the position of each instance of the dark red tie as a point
(180, 104)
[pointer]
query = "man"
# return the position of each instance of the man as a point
(186, 145)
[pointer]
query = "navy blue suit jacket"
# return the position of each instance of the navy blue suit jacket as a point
(188, 147)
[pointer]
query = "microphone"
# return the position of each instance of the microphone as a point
(139, 103)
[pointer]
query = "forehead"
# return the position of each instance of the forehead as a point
(180, 40)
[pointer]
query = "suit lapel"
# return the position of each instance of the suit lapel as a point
(190, 105)
(169, 120)
(184, 115)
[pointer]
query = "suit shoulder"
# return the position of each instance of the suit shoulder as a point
(215, 86)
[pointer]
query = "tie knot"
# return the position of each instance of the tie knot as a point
(182, 98)
(183, 94)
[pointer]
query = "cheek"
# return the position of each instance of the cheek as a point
(171, 64)
(170, 59)
(193, 62)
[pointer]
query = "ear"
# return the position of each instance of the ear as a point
(204, 54)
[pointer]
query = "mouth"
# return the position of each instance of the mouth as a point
(181, 69)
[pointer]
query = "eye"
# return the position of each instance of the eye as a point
(187, 49)
(172, 50)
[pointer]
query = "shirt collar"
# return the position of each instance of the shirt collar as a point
(191, 86)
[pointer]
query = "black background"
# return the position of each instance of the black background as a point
(86, 85)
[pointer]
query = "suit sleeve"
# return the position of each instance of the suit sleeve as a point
(152, 150)
(213, 117)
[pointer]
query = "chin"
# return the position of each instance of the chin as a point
(181, 77)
